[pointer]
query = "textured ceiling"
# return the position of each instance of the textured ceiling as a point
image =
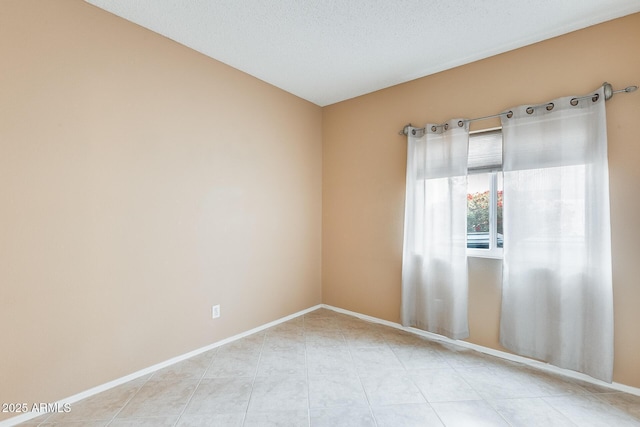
(327, 51)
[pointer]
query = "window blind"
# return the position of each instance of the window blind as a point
(485, 151)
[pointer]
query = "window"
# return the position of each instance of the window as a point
(484, 195)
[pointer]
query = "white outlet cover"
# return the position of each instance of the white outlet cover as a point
(215, 311)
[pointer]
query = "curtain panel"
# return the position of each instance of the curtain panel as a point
(434, 264)
(557, 302)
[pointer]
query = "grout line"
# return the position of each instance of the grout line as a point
(542, 366)
(255, 376)
(9, 422)
(128, 400)
(359, 376)
(195, 388)
(341, 329)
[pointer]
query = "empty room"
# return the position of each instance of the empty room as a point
(319, 213)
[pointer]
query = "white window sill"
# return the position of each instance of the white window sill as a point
(485, 253)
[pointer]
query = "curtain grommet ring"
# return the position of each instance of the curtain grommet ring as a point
(460, 123)
(595, 97)
(446, 126)
(413, 132)
(574, 101)
(529, 110)
(550, 106)
(434, 128)
(509, 114)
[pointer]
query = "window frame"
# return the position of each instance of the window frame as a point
(493, 251)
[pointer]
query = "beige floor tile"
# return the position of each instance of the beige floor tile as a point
(233, 362)
(396, 337)
(353, 324)
(292, 324)
(331, 369)
(378, 359)
(420, 358)
(284, 330)
(545, 384)
(390, 389)
(341, 417)
(326, 360)
(492, 384)
(325, 337)
(530, 413)
(468, 413)
(252, 343)
(322, 324)
(211, 420)
(159, 398)
(102, 406)
(443, 385)
(144, 422)
(459, 357)
(312, 346)
(282, 362)
(75, 424)
(220, 396)
(359, 339)
(278, 419)
(589, 410)
(279, 392)
(589, 387)
(194, 367)
(406, 415)
(628, 403)
(336, 390)
(285, 341)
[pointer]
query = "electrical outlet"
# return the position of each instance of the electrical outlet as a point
(215, 311)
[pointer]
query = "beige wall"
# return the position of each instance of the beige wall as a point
(141, 183)
(364, 172)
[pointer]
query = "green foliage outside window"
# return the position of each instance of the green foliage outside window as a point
(478, 212)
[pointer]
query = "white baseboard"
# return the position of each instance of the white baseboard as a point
(111, 384)
(501, 354)
(497, 353)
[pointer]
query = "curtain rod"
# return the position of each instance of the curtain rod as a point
(608, 94)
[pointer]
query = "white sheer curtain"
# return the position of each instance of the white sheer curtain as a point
(434, 263)
(557, 287)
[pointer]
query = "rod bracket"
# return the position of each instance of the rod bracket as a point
(405, 130)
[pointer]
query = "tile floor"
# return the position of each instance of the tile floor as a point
(330, 369)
